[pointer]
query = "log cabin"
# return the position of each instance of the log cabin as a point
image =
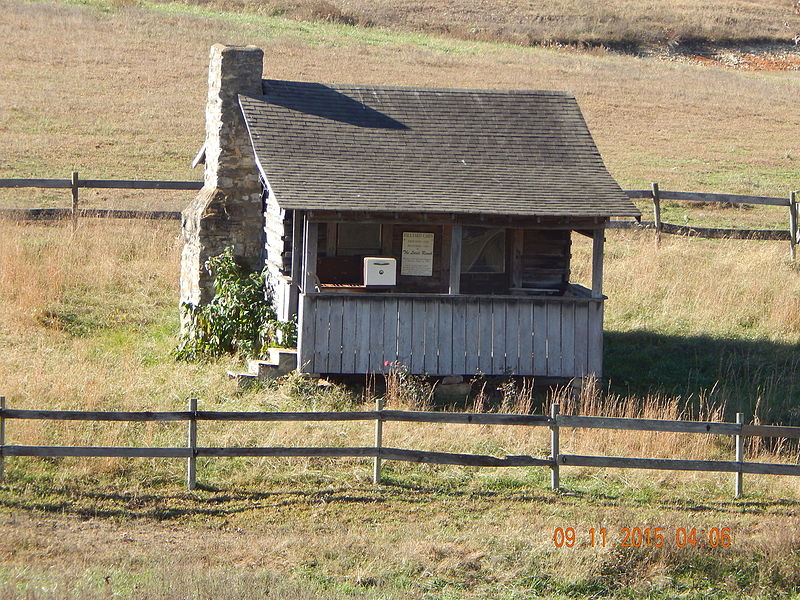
(416, 227)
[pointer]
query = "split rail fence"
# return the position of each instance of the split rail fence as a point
(655, 194)
(555, 422)
(74, 183)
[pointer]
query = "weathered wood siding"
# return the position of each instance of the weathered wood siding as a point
(545, 258)
(278, 235)
(446, 335)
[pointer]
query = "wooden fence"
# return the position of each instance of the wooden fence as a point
(555, 422)
(655, 194)
(74, 183)
(791, 233)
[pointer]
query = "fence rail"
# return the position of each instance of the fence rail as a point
(655, 194)
(57, 214)
(75, 183)
(117, 184)
(555, 422)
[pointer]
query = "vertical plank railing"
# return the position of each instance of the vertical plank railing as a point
(739, 455)
(2, 436)
(554, 450)
(657, 212)
(496, 345)
(191, 462)
(376, 470)
(74, 189)
(793, 225)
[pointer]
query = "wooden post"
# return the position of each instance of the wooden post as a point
(2, 437)
(793, 225)
(376, 472)
(310, 239)
(554, 450)
(191, 465)
(739, 455)
(598, 238)
(455, 260)
(517, 254)
(74, 183)
(297, 261)
(657, 212)
(308, 283)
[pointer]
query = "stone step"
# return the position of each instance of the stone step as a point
(243, 380)
(280, 362)
(285, 358)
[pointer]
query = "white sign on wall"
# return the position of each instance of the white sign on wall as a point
(417, 255)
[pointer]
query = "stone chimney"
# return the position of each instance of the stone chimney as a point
(228, 210)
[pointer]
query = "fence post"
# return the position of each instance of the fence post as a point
(74, 182)
(793, 225)
(2, 437)
(554, 451)
(739, 455)
(656, 212)
(191, 465)
(376, 472)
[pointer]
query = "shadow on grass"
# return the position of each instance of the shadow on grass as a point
(747, 375)
(169, 505)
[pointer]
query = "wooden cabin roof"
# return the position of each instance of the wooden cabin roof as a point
(369, 148)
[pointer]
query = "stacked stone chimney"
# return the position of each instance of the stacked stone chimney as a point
(228, 210)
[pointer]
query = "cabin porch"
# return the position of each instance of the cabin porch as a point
(524, 318)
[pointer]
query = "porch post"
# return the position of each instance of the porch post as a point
(598, 237)
(297, 261)
(305, 320)
(455, 260)
(310, 237)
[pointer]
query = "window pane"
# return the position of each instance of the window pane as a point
(358, 238)
(483, 250)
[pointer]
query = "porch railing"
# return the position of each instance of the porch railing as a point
(544, 336)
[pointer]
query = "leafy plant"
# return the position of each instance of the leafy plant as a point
(240, 318)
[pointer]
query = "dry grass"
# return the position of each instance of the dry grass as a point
(616, 23)
(138, 110)
(98, 304)
(313, 528)
(711, 289)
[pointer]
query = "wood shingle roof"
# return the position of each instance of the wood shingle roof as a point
(368, 148)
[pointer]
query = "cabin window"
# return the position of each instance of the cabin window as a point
(358, 239)
(483, 250)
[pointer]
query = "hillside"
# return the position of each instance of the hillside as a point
(88, 319)
(119, 92)
(629, 25)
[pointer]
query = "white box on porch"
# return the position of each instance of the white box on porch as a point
(380, 271)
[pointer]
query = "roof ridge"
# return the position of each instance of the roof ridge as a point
(403, 88)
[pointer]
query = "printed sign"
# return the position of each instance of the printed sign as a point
(417, 256)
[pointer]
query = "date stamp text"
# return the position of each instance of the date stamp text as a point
(643, 537)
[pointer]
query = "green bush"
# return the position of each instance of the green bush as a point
(240, 318)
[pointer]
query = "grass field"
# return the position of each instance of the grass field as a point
(626, 24)
(88, 320)
(125, 94)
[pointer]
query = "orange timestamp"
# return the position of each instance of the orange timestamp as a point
(643, 537)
